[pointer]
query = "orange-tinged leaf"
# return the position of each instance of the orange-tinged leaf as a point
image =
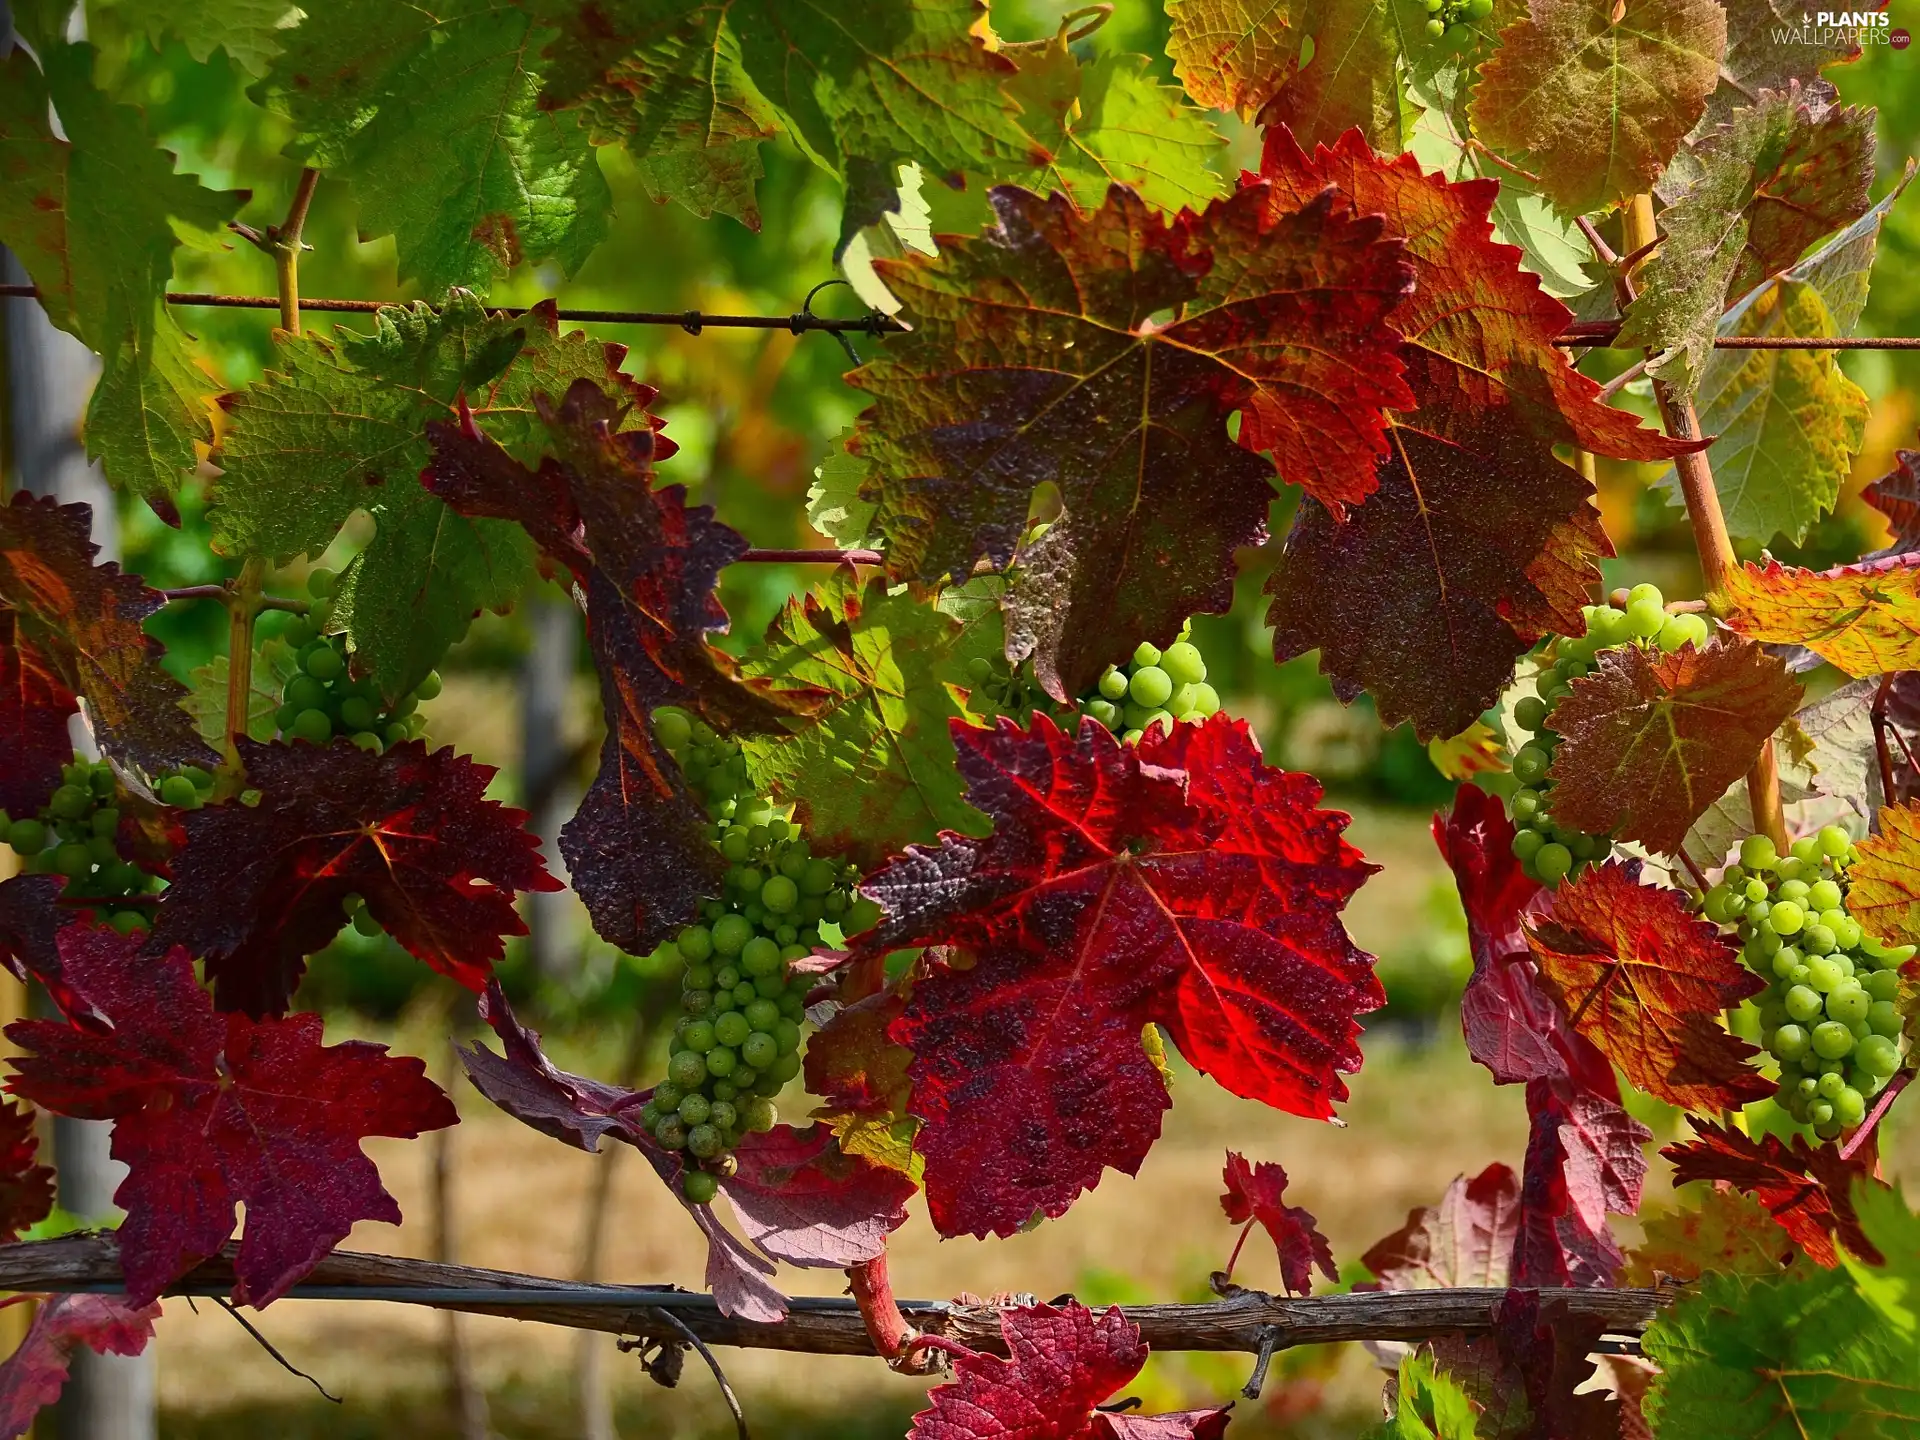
(1597, 94)
(1649, 741)
(1728, 1230)
(1864, 618)
(1645, 981)
(1807, 1190)
(1885, 892)
(1896, 495)
(1232, 54)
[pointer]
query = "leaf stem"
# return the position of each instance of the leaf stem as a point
(243, 603)
(1709, 523)
(286, 250)
(223, 592)
(892, 1337)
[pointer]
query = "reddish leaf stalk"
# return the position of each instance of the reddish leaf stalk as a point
(1878, 714)
(1880, 1108)
(893, 1338)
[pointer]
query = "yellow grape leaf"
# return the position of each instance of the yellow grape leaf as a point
(1476, 750)
(1885, 893)
(1729, 1230)
(875, 1138)
(1865, 619)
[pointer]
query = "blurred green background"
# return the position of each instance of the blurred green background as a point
(754, 412)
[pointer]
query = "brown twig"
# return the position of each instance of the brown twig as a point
(1878, 715)
(762, 556)
(243, 605)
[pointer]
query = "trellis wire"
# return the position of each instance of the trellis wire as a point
(1598, 334)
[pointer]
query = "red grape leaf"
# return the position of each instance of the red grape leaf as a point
(1649, 741)
(83, 622)
(1583, 1162)
(647, 562)
(1036, 357)
(30, 923)
(1478, 329)
(853, 1066)
(1646, 980)
(1177, 1425)
(1063, 1363)
(797, 1196)
(26, 1187)
(1884, 889)
(1467, 1239)
(1434, 572)
(802, 1201)
(1864, 619)
(1525, 1375)
(1256, 1192)
(1181, 883)
(1808, 1191)
(33, 1376)
(34, 708)
(1896, 495)
(258, 888)
(215, 1110)
(1512, 1026)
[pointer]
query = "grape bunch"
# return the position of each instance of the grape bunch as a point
(1443, 15)
(1830, 1018)
(76, 834)
(997, 688)
(1156, 687)
(1547, 851)
(737, 1041)
(322, 700)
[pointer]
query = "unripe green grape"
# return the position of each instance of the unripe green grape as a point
(761, 1050)
(1883, 1018)
(1206, 701)
(1794, 890)
(671, 1132)
(323, 662)
(666, 1096)
(1790, 868)
(1646, 590)
(695, 943)
(1820, 1112)
(1835, 843)
(731, 1027)
(760, 956)
(779, 895)
(1183, 663)
(1552, 863)
(1823, 975)
(758, 1115)
(1645, 618)
(365, 924)
(1436, 28)
(313, 726)
(429, 688)
(1823, 895)
(1714, 904)
(688, 1069)
(698, 1036)
(1785, 963)
(1806, 849)
(1524, 805)
(1849, 1107)
(699, 1188)
(1881, 984)
(1789, 1042)
(1150, 687)
(1848, 1003)
(1479, 9)
(1530, 764)
(1878, 1055)
(1145, 654)
(722, 1060)
(1832, 1040)
(1818, 939)
(1105, 711)
(1755, 890)
(1829, 1085)
(736, 845)
(761, 1014)
(1527, 844)
(1787, 918)
(703, 1141)
(697, 1002)
(1113, 684)
(1680, 630)
(731, 934)
(1804, 1004)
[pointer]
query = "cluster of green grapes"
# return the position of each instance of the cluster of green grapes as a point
(999, 689)
(76, 835)
(1547, 851)
(322, 700)
(737, 1041)
(1442, 15)
(1830, 1018)
(1156, 687)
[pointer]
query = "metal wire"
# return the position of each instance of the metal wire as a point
(1596, 334)
(692, 321)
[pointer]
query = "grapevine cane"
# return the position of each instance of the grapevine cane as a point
(243, 605)
(1703, 506)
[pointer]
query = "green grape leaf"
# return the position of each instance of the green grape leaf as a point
(861, 86)
(249, 31)
(1109, 122)
(668, 81)
(895, 233)
(1770, 47)
(872, 770)
(1428, 1405)
(1649, 741)
(1795, 1356)
(1037, 356)
(836, 503)
(91, 216)
(371, 87)
(1596, 106)
(1780, 175)
(274, 664)
(340, 427)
